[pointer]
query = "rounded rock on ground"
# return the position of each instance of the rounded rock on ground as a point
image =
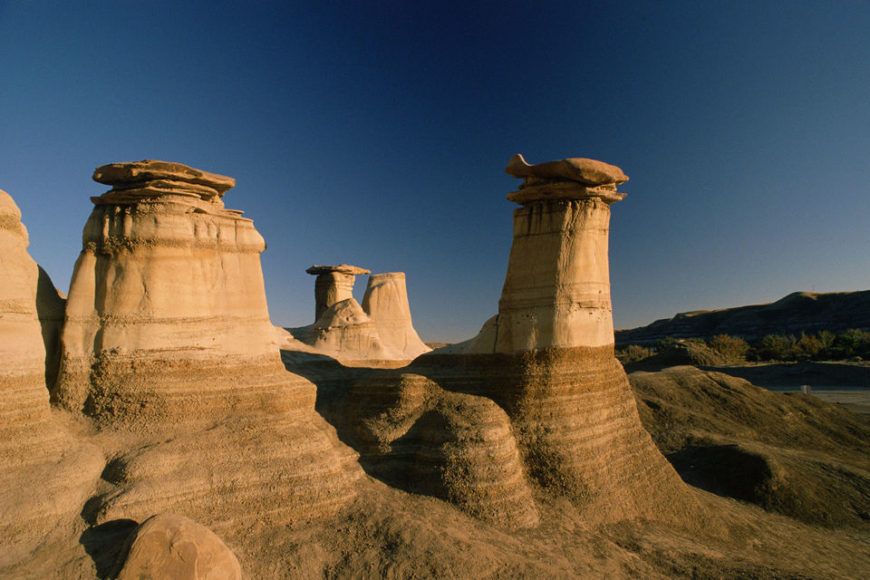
(172, 546)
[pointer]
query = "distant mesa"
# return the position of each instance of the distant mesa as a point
(808, 312)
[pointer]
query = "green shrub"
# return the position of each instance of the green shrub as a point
(775, 347)
(733, 349)
(633, 353)
(808, 347)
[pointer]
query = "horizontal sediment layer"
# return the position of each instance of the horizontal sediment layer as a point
(266, 468)
(45, 473)
(142, 393)
(115, 227)
(455, 447)
(577, 425)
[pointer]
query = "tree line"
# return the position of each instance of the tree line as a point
(824, 345)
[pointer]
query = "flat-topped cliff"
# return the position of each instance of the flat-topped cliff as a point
(799, 312)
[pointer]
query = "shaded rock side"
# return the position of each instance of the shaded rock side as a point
(168, 339)
(45, 472)
(460, 448)
(386, 303)
(170, 546)
(577, 427)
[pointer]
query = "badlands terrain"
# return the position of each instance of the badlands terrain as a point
(155, 424)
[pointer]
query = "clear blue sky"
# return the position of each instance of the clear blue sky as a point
(377, 132)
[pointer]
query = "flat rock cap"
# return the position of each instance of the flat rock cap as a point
(318, 269)
(586, 171)
(151, 170)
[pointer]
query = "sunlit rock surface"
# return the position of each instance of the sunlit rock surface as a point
(547, 357)
(168, 338)
(45, 472)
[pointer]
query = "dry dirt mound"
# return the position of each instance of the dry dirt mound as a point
(788, 453)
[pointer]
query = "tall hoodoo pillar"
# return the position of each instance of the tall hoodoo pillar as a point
(332, 285)
(557, 289)
(547, 358)
(167, 338)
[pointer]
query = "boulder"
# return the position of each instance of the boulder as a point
(171, 546)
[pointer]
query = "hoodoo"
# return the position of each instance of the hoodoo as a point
(378, 331)
(45, 473)
(167, 331)
(386, 303)
(333, 284)
(548, 358)
(557, 289)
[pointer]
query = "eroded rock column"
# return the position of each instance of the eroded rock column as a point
(333, 285)
(547, 358)
(557, 289)
(168, 338)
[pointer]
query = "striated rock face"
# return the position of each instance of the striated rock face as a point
(416, 436)
(45, 473)
(333, 284)
(167, 279)
(547, 357)
(386, 303)
(170, 546)
(167, 331)
(557, 289)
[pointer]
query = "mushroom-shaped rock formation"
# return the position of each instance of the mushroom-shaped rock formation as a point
(171, 546)
(386, 303)
(332, 285)
(168, 339)
(45, 473)
(378, 332)
(548, 357)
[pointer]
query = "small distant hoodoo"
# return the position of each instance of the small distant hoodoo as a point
(380, 330)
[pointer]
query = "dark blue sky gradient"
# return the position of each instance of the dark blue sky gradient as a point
(376, 133)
